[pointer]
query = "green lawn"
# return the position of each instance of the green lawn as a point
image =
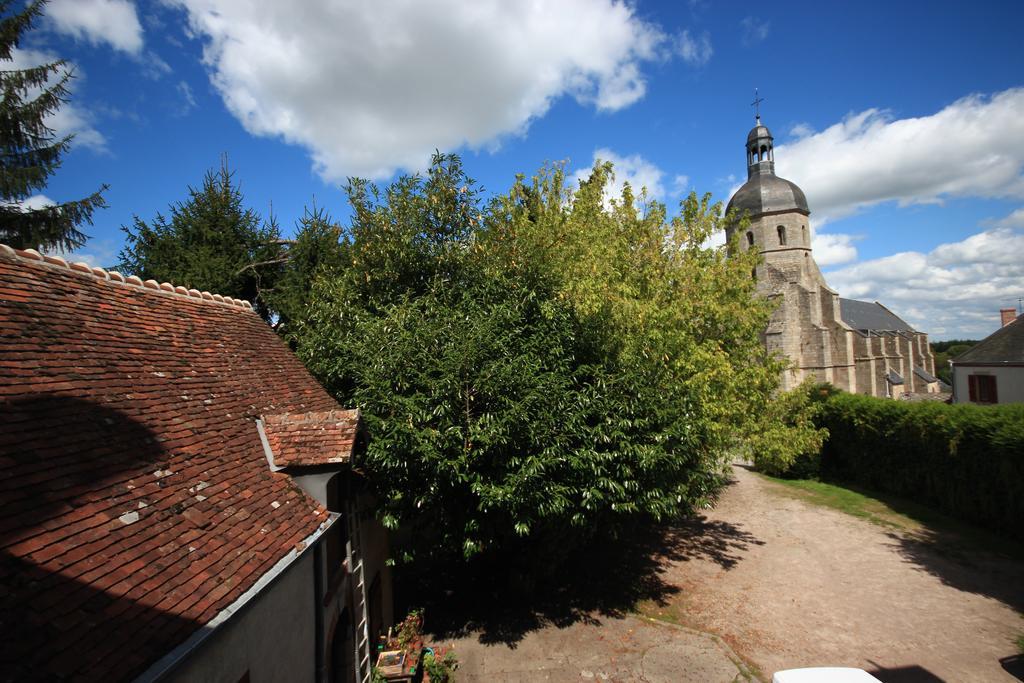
(851, 501)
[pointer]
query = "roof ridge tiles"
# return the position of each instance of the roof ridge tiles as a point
(33, 257)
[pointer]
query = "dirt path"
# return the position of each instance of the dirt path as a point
(788, 584)
(763, 582)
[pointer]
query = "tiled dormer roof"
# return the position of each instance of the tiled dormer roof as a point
(309, 439)
(136, 501)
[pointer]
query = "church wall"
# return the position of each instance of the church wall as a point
(925, 352)
(905, 354)
(807, 327)
(864, 365)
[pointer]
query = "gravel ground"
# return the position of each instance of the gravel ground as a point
(802, 585)
(766, 582)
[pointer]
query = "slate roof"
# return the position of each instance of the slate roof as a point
(1004, 346)
(871, 317)
(136, 501)
(323, 438)
(894, 377)
(925, 375)
(765, 193)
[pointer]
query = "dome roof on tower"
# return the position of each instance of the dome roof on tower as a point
(758, 131)
(765, 193)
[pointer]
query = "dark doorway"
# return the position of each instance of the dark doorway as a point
(342, 651)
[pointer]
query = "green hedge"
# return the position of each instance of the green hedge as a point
(964, 459)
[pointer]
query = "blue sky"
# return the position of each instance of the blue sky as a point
(903, 122)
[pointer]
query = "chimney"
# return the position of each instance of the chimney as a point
(1008, 315)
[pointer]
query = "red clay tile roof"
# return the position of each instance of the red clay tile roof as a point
(323, 438)
(136, 501)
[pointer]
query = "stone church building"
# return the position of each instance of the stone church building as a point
(858, 346)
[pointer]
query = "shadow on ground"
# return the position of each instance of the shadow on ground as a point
(1014, 666)
(503, 600)
(904, 674)
(962, 564)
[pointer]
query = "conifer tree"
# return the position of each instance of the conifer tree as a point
(29, 150)
(211, 242)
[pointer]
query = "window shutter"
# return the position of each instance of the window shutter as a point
(972, 386)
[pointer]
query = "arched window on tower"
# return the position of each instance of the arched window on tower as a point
(764, 152)
(803, 230)
(750, 239)
(782, 235)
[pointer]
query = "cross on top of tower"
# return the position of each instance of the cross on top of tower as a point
(756, 104)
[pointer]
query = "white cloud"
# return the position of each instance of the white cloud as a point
(98, 252)
(69, 119)
(188, 99)
(98, 21)
(36, 201)
(972, 148)
(1014, 220)
(694, 51)
(801, 130)
(832, 249)
(153, 66)
(754, 31)
(953, 291)
(635, 170)
(370, 87)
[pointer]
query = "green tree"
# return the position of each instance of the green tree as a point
(318, 250)
(548, 364)
(29, 151)
(212, 242)
(944, 351)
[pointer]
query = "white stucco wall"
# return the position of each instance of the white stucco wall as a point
(272, 639)
(1009, 382)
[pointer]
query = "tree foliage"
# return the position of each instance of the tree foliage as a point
(944, 351)
(29, 151)
(552, 362)
(967, 460)
(212, 242)
(318, 249)
(790, 443)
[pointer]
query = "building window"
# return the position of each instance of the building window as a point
(782, 235)
(750, 239)
(982, 389)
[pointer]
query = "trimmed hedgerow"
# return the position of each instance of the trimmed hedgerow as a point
(964, 459)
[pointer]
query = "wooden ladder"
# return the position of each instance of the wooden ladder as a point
(364, 648)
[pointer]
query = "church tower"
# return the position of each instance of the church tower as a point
(801, 328)
(778, 213)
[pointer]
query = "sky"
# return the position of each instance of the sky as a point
(902, 122)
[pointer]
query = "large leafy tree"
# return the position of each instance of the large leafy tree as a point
(29, 151)
(212, 242)
(547, 364)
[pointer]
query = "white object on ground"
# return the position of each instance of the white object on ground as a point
(824, 674)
